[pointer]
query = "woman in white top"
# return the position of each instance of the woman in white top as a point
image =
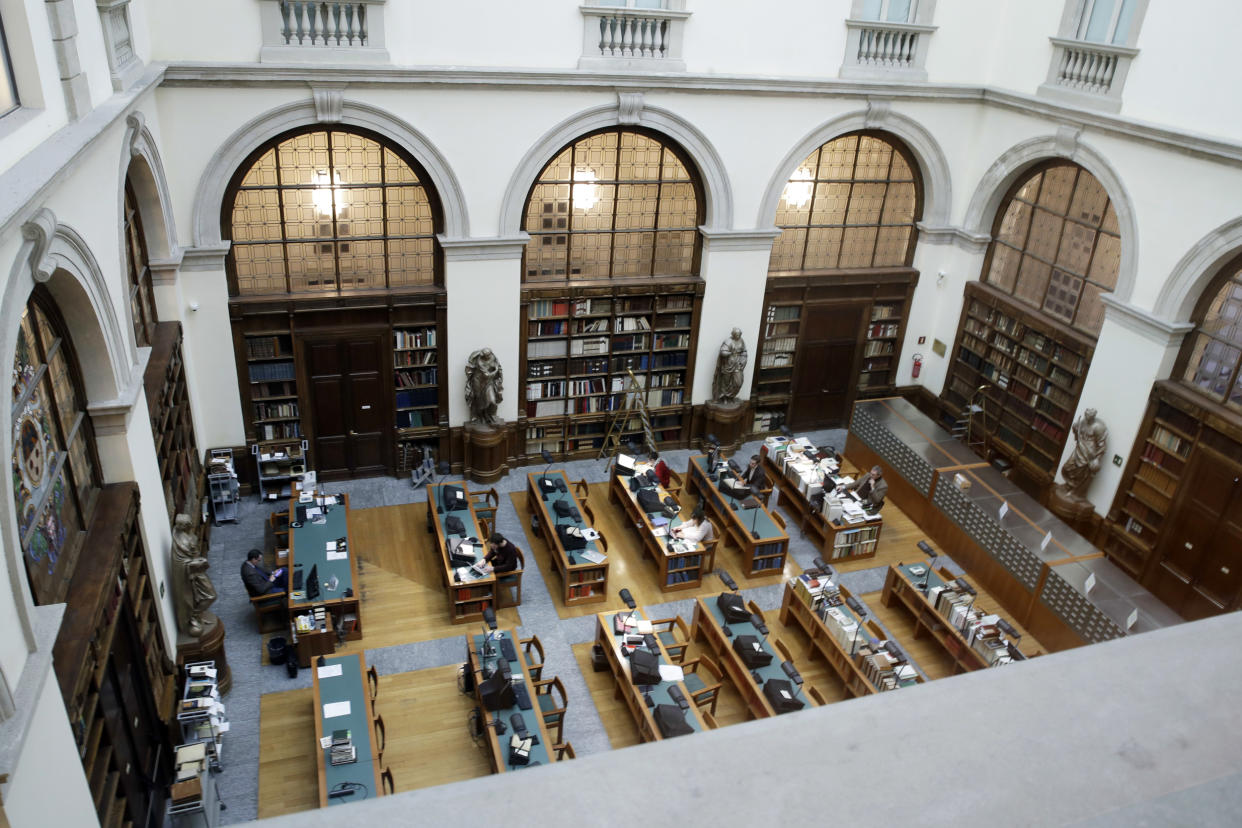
(697, 529)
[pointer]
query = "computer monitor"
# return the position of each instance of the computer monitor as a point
(453, 497)
(312, 583)
(497, 693)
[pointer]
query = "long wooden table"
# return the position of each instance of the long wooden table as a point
(611, 642)
(582, 581)
(350, 686)
(678, 570)
(709, 627)
(541, 753)
(308, 550)
(466, 598)
(765, 554)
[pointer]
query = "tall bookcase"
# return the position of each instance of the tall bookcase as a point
(172, 426)
(880, 351)
(274, 411)
(1034, 368)
(416, 390)
(579, 347)
(774, 372)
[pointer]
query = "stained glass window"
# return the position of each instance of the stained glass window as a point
(615, 204)
(1056, 245)
(1212, 354)
(53, 465)
(852, 203)
(331, 211)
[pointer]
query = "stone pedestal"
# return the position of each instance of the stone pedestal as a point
(728, 421)
(207, 647)
(485, 452)
(1078, 512)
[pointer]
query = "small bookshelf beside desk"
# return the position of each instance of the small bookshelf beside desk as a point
(466, 598)
(498, 745)
(678, 570)
(343, 703)
(763, 555)
(336, 569)
(584, 581)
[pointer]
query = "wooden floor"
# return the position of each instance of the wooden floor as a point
(627, 567)
(425, 719)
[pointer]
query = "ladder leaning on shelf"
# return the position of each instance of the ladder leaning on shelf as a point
(635, 402)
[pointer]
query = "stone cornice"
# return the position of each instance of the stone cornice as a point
(964, 239)
(760, 239)
(1142, 322)
(111, 417)
(494, 248)
(208, 257)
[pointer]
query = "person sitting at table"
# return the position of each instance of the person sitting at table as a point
(698, 529)
(660, 468)
(871, 488)
(752, 475)
(502, 555)
(258, 580)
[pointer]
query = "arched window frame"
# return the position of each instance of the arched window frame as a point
(693, 177)
(1194, 361)
(141, 292)
(423, 182)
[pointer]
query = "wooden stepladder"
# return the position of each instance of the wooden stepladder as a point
(619, 421)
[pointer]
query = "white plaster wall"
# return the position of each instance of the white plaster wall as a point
(47, 786)
(208, 341)
(483, 33)
(482, 312)
(222, 30)
(741, 37)
(935, 311)
(139, 30)
(92, 53)
(733, 298)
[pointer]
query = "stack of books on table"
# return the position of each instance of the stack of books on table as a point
(813, 591)
(342, 751)
(841, 625)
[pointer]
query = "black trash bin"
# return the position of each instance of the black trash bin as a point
(599, 661)
(276, 650)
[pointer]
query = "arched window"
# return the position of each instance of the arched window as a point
(1056, 245)
(851, 204)
(55, 476)
(1211, 356)
(615, 204)
(141, 296)
(326, 211)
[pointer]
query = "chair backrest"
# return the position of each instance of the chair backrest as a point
(816, 696)
(783, 650)
(564, 751)
(780, 521)
(485, 528)
(380, 732)
(582, 489)
(521, 560)
(487, 497)
(390, 787)
(373, 680)
(602, 542)
(590, 513)
(556, 689)
(754, 608)
(533, 643)
(709, 719)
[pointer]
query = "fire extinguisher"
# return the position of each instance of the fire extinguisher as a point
(918, 366)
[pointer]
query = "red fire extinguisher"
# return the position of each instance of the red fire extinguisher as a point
(918, 366)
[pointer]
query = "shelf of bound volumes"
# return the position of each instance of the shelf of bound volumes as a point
(855, 648)
(274, 411)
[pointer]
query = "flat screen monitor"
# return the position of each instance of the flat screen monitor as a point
(497, 693)
(312, 583)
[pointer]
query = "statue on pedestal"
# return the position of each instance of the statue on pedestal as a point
(730, 365)
(1091, 437)
(484, 387)
(193, 591)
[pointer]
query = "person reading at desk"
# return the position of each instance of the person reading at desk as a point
(502, 555)
(698, 529)
(258, 580)
(870, 488)
(660, 468)
(740, 483)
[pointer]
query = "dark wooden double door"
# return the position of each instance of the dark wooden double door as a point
(1199, 568)
(826, 374)
(349, 379)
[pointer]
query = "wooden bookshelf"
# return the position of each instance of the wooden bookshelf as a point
(778, 349)
(172, 426)
(273, 410)
(577, 347)
(1034, 367)
(416, 393)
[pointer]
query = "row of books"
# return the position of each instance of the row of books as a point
(883, 330)
(885, 670)
(546, 307)
(664, 342)
(268, 371)
(413, 359)
(275, 411)
(419, 338)
(882, 311)
(631, 323)
(417, 398)
(278, 431)
(412, 379)
(585, 591)
(878, 347)
(682, 576)
(342, 750)
(1166, 439)
(266, 347)
(422, 418)
(1170, 463)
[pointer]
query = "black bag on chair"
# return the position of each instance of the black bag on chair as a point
(671, 721)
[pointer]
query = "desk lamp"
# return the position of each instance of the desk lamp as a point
(757, 623)
(547, 458)
(727, 580)
(967, 588)
(785, 432)
(1008, 629)
(856, 605)
(754, 490)
(628, 600)
(794, 675)
(931, 554)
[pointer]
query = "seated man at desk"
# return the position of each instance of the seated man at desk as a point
(752, 475)
(502, 555)
(258, 580)
(698, 529)
(870, 488)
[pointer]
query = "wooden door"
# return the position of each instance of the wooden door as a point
(350, 402)
(1200, 566)
(826, 378)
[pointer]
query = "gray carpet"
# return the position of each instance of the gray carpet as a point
(251, 679)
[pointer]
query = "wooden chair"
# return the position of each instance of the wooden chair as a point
(704, 690)
(589, 513)
(780, 521)
(709, 720)
(675, 636)
(485, 503)
(386, 782)
(783, 650)
(709, 552)
(552, 704)
(279, 521)
(534, 665)
(509, 585)
(675, 482)
(582, 489)
(270, 604)
(602, 542)
(816, 696)
(485, 528)
(381, 735)
(563, 751)
(373, 681)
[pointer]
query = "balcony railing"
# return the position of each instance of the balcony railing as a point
(306, 31)
(882, 50)
(615, 37)
(1090, 74)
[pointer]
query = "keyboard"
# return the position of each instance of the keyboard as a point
(522, 696)
(508, 650)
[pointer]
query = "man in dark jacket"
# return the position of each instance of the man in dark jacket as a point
(501, 554)
(258, 580)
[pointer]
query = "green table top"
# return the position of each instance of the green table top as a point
(538, 753)
(466, 515)
(933, 577)
(348, 686)
(773, 669)
(675, 520)
(659, 692)
(762, 521)
(574, 555)
(309, 550)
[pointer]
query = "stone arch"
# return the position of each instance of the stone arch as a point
(1009, 167)
(141, 163)
(1195, 271)
(628, 111)
(933, 166)
(224, 163)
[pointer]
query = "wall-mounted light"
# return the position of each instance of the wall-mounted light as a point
(327, 189)
(798, 191)
(586, 193)
(194, 306)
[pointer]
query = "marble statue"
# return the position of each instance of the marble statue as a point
(730, 365)
(193, 591)
(1090, 438)
(484, 387)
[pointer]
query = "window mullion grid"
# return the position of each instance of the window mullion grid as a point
(384, 215)
(879, 220)
(655, 227)
(612, 225)
(810, 209)
(284, 233)
(569, 219)
(336, 236)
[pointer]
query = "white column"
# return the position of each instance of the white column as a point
(735, 268)
(1135, 350)
(483, 282)
(211, 368)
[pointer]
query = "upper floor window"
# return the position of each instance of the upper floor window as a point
(890, 11)
(55, 472)
(141, 296)
(8, 86)
(1106, 21)
(615, 204)
(1212, 354)
(1056, 245)
(852, 203)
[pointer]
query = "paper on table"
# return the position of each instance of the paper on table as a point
(592, 556)
(334, 709)
(644, 627)
(330, 546)
(336, 556)
(325, 742)
(671, 672)
(329, 671)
